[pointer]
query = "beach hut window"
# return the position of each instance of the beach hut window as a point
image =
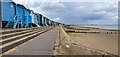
(11, 5)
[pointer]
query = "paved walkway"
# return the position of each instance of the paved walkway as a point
(41, 45)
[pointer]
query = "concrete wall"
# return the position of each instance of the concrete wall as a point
(69, 48)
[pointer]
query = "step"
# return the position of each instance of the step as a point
(3, 36)
(19, 36)
(4, 41)
(17, 33)
(6, 31)
(13, 44)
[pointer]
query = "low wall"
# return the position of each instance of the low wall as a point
(69, 48)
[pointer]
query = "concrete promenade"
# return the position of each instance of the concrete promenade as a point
(41, 45)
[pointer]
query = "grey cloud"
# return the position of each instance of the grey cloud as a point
(77, 12)
(52, 6)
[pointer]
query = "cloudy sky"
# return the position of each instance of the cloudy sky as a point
(103, 12)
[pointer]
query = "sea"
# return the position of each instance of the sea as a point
(111, 27)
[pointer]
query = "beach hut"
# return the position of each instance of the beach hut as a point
(32, 16)
(48, 22)
(55, 23)
(28, 18)
(7, 13)
(51, 23)
(41, 20)
(36, 20)
(44, 21)
(20, 21)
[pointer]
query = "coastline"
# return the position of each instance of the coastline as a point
(96, 38)
(105, 27)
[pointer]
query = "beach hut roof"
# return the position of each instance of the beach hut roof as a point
(21, 6)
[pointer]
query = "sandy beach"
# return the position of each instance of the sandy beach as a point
(101, 39)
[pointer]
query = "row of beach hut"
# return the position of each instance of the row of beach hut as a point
(15, 15)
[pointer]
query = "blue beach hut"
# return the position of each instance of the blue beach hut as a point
(7, 13)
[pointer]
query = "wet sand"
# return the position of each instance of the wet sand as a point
(106, 40)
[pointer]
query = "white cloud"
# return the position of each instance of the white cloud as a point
(51, 6)
(56, 19)
(71, 0)
(81, 7)
(89, 0)
(75, 12)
